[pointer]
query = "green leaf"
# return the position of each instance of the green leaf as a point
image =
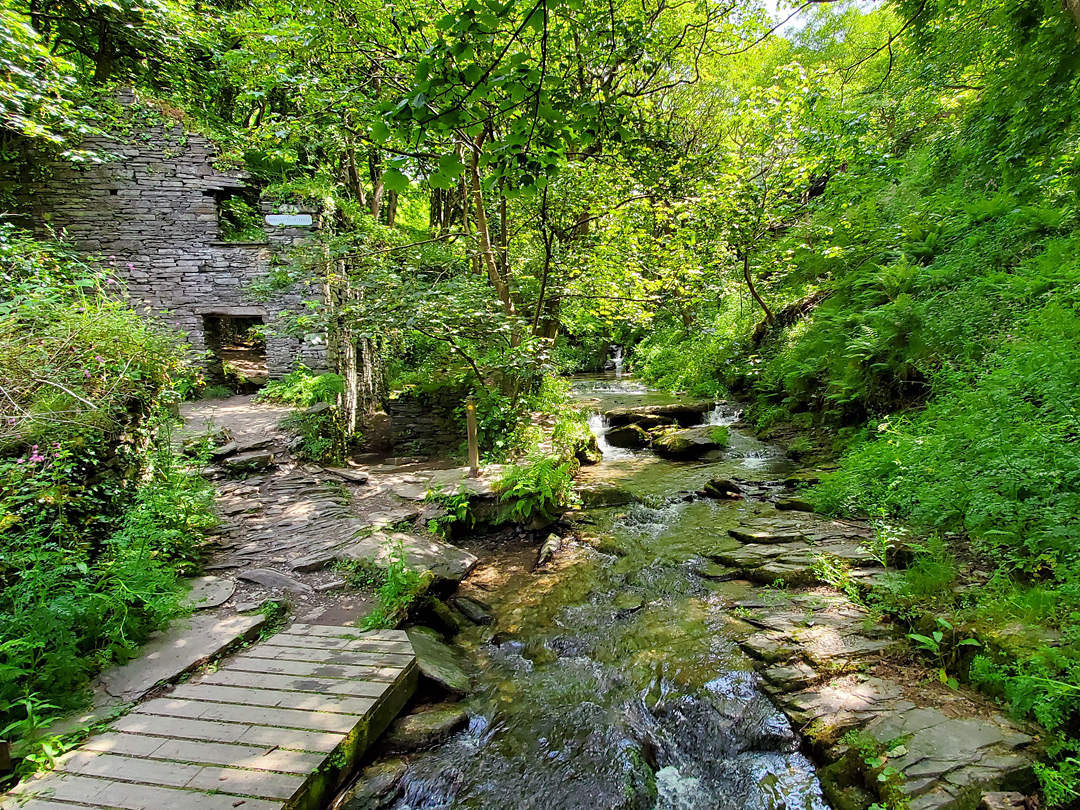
(380, 131)
(450, 165)
(394, 180)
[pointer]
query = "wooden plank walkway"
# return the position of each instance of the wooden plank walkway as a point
(277, 727)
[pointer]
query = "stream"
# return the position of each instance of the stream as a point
(610, 678)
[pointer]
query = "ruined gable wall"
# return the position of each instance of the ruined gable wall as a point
(150, 213)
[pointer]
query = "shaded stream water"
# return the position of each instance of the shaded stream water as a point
(611, 680)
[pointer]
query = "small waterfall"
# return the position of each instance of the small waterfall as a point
(618, 360)
(598, 424)
(724, 414)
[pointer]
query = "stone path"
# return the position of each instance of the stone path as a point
(831, 670)
(275, 728)
(786, 547)
(285, 524)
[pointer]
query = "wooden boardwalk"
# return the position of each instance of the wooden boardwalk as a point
(277, 727)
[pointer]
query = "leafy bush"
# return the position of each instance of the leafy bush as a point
(321, 434)
(239, 221)
(999, 459)
(303, 388)
(401, 587)
(97, 516)
(539, 488)
(456, 506)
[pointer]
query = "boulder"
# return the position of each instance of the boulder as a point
(474, 610)
(374, 787)
(352, 476)
(588, 451)
(424, 729)
(552, 545)
(438, 661)
(686, 444)
(627, 602)
(794, 505)
(249, 462)
(209, 592)
(767, 537)
(722, 488)
(251, 445)
(226, 449)
(598, 494)
(708, 569)
(447, 563)
(438, 614)
(629, 437)
(274, 580)
(1000, 800)
(684, 414)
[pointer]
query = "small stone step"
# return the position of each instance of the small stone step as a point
(184, 646)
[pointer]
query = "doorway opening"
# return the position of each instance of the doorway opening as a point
(236, 345)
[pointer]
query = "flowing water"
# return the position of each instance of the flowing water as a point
(611, 680)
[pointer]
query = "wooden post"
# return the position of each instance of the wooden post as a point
(474, 446)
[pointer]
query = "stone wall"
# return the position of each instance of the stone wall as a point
(426, 423)
(150, 213)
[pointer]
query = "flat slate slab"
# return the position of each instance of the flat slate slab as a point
(278, 727)
(209, 592)
(186, 644)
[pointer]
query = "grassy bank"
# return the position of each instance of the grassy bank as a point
(98, 516)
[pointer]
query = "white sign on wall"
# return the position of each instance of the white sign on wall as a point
(283, 220)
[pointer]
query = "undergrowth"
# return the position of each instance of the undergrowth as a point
(98, 516)
(399, 588)
(537, 489)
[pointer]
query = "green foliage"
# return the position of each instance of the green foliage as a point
(216, 392)
(401, 586)
(720, 434)
(997, 459)
(940, 645)
(456, 506)
(303, 388)
(321, 435)
(239, 221)
(98, 516)
(538, 489)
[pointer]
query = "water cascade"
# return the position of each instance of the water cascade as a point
(611, 679)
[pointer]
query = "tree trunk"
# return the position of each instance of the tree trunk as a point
(1073, 7)
(504, 238)
(357, 360)
(376, 172)
(356, 185)
(487, 254)
(753, 290)
(103, 61)
(391, 208)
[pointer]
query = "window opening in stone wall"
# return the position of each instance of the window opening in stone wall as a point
(239, 218)
(237, 352)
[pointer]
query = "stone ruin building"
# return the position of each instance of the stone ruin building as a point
(156, 212)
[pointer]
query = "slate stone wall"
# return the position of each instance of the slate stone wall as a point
(426, 423)
(150, 212)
